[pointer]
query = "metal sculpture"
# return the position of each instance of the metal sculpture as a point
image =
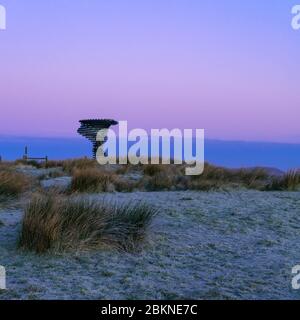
(90, 129)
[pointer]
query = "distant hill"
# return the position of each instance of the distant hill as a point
(270, 171)
(276, 157)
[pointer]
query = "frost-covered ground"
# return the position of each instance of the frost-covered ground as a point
(215, 245)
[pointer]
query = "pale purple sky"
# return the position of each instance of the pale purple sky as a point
(231, 67)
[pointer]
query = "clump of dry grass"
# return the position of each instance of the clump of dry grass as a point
(56, 174)
(72, 165)
(153, 169)
(5, 165)
(92, 180)
(160, 181)
(122, 169)
(56, 223)
(245, 176)
(172, 177)
(32, 163)
(124, 185)
(55, 163)
(290, 181)
(214, 177)
(204, 185)
(250, 177)
(88, 176)
(13, 183)
(52, 175)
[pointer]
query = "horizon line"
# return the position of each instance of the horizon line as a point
(10, 136)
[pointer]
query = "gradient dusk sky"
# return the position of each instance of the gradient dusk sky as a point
(231, 67)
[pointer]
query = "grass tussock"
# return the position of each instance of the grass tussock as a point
(13, 183)
(172, 177)
(214, 178)
(56, 223)
(72, 165)
(160, 181)
(6, 165)
(52, 175)
(92, 180)
(245, 176)
(55, 163)
(33, 163)
(290, 181)
(153, 169)
(88, 176)
(204, 185)
(124, 185)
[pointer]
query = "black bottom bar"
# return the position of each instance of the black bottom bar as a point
(142, 309)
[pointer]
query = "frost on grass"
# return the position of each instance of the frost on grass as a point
(204, 245)
(56, 223)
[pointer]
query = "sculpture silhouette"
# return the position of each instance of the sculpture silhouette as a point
(90, 128)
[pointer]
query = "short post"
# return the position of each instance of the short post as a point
(25, 157)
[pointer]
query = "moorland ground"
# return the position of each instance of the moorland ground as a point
(223, 243)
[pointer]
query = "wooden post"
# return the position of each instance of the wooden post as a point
(25, 157)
